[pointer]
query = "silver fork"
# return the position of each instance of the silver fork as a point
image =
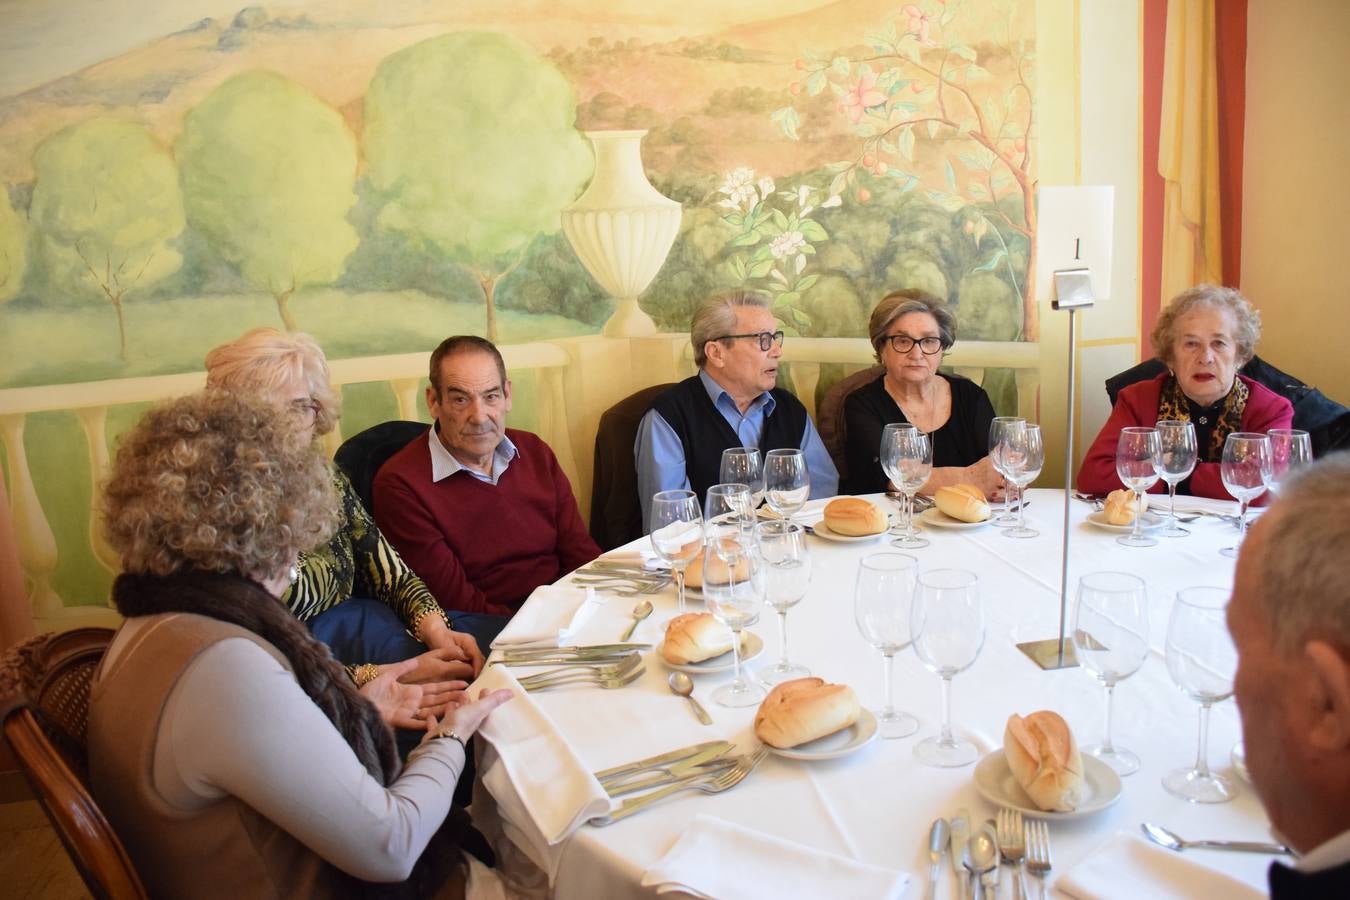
(1038, 851)
(628, 664)
(623, 588)
(708, 784)
(1011, 845)
(607, 682)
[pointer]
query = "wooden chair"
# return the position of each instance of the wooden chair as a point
(45, 685)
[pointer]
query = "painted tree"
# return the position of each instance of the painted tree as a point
(13, 248)
(106, 209)
(469, 138)
(269, 174)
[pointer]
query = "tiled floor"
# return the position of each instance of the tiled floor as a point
(33, 864)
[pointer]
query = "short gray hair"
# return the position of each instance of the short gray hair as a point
(716, 316)
(902, 303)
(1245, 315)
(1304, 588)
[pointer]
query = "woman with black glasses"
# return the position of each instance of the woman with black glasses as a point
(911, 332)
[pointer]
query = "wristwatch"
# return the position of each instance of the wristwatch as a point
(450, 735)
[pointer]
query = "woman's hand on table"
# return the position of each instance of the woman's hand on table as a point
(985, 477)
(404, 705)
(465, 718)
(439, 636)
(441, 664)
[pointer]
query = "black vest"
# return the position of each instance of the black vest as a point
(690, 412)
(1290, 884)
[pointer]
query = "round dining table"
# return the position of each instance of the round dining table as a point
(876, 803)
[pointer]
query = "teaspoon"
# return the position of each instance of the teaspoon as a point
(640, 612)
(1172, 841)
(683, 685)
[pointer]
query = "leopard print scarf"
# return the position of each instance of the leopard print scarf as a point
(1173, 404)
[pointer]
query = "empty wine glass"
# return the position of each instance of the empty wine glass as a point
(786, 482)
(882, 606)
(996, 430)
(1177, 442)
(1202, 661)
(947, 624)
(907, 458)
(1290, 450)
(1245, 470)
(742, 465)
(677, 533)
(1110, 636)
(1138, 453)
(733, 589)
(730, 503)
(1023, 455)
(787, 575)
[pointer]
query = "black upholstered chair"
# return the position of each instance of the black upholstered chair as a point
(616, 512)
(361, 455)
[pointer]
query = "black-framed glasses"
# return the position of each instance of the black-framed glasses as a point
(903, 343)
(767, 339)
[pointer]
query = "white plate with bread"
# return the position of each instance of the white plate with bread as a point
(856, 736)
(1100, 520)
(824, 531)
(1040, 772)
(939, 519)
(850, 520)
(995, 782)
(752, 645)
(810, 719)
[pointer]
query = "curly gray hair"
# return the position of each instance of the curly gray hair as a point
(1245, 317)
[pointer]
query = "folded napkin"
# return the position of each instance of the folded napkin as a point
(551, 616)
(543, 790)
(716, 858)
(1127, 866)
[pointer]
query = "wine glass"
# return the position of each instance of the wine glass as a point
(1290, 450)
(733, 589)
(1138, 453)
(1110, 636)
(1023, 455)
(947, 624)
(996, 430)
(787, 575)
(1202, 661)
(907, 457)
(1245, 470)
(1177, 462)
(677, 533)
(883, 602)
(742, 465)
(730, 503)
(786, 483)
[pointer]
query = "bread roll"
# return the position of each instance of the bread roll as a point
(693, 575)
(854, 516)
(1043, 757)
(1120, 507)
(694, 637)
(803, 710)
(964, 502)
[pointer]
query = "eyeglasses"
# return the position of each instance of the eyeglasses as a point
(305, 407)
(766, 339)
(903, 343)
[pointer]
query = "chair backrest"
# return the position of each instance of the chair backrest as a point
(616, 512)
(361, 455)
(830, 415)
(46, 709)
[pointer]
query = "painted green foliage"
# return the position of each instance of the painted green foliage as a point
(106, 208)
(269, 173)
(13, 248)
(469, 140)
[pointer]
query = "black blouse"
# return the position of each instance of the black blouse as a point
(963, 439)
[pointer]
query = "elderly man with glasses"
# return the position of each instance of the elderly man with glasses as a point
(733, 401)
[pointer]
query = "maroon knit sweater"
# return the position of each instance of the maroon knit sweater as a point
(480, 547)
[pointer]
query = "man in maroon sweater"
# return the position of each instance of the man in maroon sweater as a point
(482, 512)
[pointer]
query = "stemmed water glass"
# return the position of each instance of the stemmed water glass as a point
(730, 504)
(882, 606)
(947, 624)
(787, 575)
(1177, 462)
(1202, 661)
(907, 458)
(786, 482)
(1138, 453)
(1246, 471)
(677, 533)
(733, 589)
(1023, 455)
(996, 429)
(1110, 637)
(742, 465)
(1290, 450)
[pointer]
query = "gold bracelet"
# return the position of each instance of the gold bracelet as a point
(365, 674)
(415, 628)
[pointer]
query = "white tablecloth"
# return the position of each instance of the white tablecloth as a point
(877, 804)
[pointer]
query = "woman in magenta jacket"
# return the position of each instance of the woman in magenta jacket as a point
(1204, 336)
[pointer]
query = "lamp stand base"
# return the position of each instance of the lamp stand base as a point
(1046, 654)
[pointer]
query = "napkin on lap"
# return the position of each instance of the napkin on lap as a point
(550, 617)
(1127, 866)
(716, 858)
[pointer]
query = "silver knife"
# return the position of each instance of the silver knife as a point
(707, 762)
(661, 759)
(960, 834)
(580, 652)
(938, 838)
(562, 661)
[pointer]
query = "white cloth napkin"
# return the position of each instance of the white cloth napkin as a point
(551, 616)
(1127, 866)
(540, 784)
(719, 859)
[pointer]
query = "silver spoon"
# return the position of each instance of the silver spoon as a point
(938, 839)
(1172, 841)
(683, 685)
(640, 612)
(981, 857)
